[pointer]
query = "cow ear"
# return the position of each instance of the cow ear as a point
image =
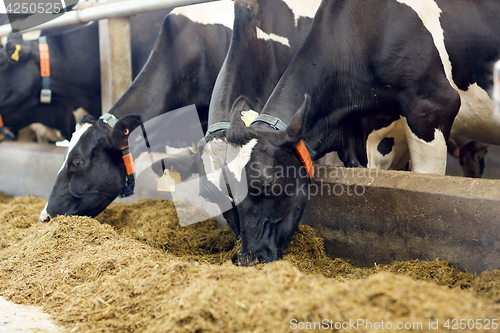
(241, 104)
(238, 132)
(297, 127)
(85, 119)
(18, 49)
(186, 166)
(125, 125)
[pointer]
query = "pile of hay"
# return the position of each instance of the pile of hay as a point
(137, 271)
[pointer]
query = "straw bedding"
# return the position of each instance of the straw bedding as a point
(134, 269)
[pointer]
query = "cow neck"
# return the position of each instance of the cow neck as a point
(69, 81)
(128, 188)
(306, 153)
(43, 48)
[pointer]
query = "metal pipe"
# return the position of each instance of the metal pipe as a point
(119, 9)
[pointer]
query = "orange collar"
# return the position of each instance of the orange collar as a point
(43, 48)
(2, 136)
(305, 158)
(44, 59)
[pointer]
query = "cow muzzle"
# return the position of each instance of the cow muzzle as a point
(250, 259)
(44, 216)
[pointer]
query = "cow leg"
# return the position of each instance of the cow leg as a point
(427, 157)
(386, 148)
(428, 115)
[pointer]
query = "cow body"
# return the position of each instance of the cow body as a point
(58, 116)
(266, 36)
(364, 66)
(467, 61)
(181, 71)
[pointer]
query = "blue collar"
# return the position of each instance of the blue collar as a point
(279, 125)
(272, 121)
(217, 126)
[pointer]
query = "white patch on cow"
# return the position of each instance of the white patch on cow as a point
(427, 157)
(213, 158)
(303, 8)
(77, 134)
(217, 12)
(265, 36)
(477, 118)
(496, 84)
(429, 13)
(399, 155)
(237, 158)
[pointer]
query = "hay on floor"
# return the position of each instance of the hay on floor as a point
(134, 269)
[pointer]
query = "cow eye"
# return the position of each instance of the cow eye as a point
(76, 163)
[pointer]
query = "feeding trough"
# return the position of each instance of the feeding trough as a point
(373, 216)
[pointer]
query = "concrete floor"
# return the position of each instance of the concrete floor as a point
(15, 318)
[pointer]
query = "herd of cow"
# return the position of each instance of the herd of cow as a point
(380, 82)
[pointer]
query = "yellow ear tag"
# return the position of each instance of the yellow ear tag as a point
(15, 55)
(167, 181)
(248, 116)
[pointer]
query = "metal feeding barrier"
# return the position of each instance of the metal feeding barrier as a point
(112, 10)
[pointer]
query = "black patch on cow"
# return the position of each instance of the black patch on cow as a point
(385, 146)
(472, 39)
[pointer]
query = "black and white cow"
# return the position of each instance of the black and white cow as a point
(399, 66)
(266, 36)
(182, 70)
(468, 68)
(74, 72)
(58, 116)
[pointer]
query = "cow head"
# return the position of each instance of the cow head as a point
(93, 173)
(19, 71)
(207, 162)
(277, 182)
(3, 59)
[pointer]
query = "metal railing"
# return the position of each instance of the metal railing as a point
(118, 9)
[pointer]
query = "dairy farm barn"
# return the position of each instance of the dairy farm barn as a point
(250, 166)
